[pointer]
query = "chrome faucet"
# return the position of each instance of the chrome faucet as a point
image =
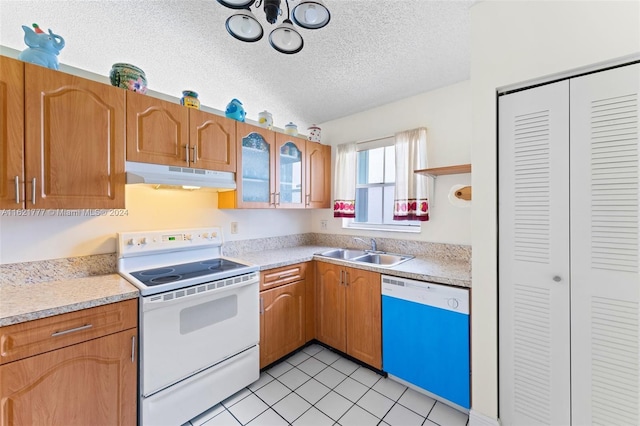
(374, 245)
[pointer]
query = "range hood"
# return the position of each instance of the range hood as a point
(175, 176)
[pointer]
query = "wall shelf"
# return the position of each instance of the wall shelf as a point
(449, 170)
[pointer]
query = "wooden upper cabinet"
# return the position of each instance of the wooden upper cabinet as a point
(318, 176)
(254, 175)
(278, 170)
(74, 141)
(162, 132)
(289, 171)
(214, 139)
(11, 133)
(157, 131)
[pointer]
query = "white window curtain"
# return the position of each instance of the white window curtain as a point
(344, 204)
(411, 200)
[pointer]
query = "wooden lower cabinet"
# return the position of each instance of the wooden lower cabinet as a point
(283, 323)
(330, 306)
(287, 314)
(93, 382)
(348, 317)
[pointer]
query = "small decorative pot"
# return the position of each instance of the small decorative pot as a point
(190, 99)
(265, 119)
(128, 77)
(235, 110)
(314, 133)
(291, 129)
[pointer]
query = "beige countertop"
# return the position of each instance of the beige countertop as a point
(26, 302)
(442, 271)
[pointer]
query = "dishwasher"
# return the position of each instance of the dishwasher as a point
(425, 338)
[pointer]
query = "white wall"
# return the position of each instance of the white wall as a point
(446, 113)
(25, 239)
(513, 42)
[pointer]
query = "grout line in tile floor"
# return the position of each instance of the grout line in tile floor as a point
(317, 386)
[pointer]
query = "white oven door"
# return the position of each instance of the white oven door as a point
(188, 330)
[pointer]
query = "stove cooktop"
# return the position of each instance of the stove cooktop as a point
(184, 271)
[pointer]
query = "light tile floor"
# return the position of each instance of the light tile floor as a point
(316, 386)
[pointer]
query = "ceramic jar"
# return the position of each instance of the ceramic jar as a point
(265, 119)
(128, 77)
(291, 129)
(314, 133)
(235, 110)
(190, 99)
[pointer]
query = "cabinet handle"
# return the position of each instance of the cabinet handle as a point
(262, 306)
(186, 153)
(17, 190)
(195, 154)
(133, 348)
(272, 199)
(278, 202)
(307, 200)
(348, 278)
(342, 277)
(557, 278)
(33, 191)
(71, 330)
(285, 276)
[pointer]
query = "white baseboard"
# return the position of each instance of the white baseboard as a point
(479, 419)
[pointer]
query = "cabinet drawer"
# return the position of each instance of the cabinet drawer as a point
(279, 276)
(35, 337)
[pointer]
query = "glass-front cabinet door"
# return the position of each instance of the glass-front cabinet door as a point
(290, 171)
(255, 180)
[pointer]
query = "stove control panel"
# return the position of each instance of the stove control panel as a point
(147, 242)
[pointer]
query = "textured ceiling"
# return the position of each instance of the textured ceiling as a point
(371, 53)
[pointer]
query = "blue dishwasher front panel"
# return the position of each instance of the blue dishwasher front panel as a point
(428, 347)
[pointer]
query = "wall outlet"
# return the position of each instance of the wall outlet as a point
(234, 227)
(323, 225)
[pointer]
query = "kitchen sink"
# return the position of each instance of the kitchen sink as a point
(381, 259)
(344, 254)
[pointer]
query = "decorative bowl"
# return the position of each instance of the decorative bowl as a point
(128, 77)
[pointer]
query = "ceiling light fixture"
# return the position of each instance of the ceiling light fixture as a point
(243, 25)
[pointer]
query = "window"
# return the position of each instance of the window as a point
(375, 186)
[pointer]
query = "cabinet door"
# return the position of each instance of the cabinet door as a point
(11, 133)
(330, 306)
(318, 176)
(290, 171)
(284, 321)
(212, 141)
(91, 383)
(254, 179)
(157, 131)
(310, 302)
(605, 247)
(533, 192)
(74, 141)
(364, 320)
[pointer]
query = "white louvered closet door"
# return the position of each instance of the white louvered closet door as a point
(534, 256)
(605, 285)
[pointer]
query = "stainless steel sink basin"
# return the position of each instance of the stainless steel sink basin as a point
(382, 259)
(344, 254)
